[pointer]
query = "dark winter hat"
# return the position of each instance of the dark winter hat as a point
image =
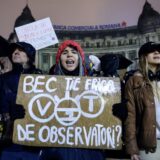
(26, 47)
(148, 48)
(4, 47)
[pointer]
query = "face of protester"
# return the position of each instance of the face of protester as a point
(19, 56)
(153, 59)
(69, 59)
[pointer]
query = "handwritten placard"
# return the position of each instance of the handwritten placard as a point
(64, 111)
(40, 33)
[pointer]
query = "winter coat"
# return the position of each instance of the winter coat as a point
(8, 107)
(140, 125)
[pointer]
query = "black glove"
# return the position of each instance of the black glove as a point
(120, 110)
(18, 112)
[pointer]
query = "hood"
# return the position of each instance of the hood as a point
(68, 43)
(109, 64)
(81, 70)
(26, 47)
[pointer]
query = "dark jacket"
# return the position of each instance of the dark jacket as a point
(8, 107)
(140, 125)
(9, 87)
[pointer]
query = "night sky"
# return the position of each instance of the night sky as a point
(74, 12)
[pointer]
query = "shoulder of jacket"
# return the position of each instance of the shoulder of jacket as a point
(38, 71)
(137, 80)
(6, 75)
(138, 73)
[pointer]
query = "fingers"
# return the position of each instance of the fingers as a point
(135, 157)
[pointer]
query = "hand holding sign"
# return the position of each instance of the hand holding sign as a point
(18, 112)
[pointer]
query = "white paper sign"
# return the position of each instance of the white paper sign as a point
(40, 33)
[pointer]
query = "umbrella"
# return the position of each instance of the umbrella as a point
(123, 62)
(4, 47)
(116, 61)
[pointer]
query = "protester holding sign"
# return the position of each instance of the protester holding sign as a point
(70, 61)
(22, 56)
(143, 94)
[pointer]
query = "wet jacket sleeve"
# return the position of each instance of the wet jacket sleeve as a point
(130, 123)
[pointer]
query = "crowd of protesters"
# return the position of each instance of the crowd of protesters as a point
(139, 109)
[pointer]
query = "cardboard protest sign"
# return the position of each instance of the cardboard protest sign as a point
(65, 111)
(40, 33)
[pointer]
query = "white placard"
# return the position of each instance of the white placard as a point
(40, 33)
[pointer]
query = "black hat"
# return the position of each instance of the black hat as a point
(148, 48)
(26, 47)
(4, 47)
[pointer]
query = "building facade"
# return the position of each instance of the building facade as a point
(122, 40)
